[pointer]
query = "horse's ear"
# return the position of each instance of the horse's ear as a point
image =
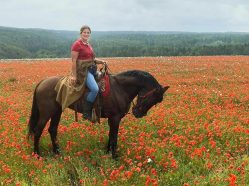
(165, 88)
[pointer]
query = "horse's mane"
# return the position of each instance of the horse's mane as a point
(144, 77)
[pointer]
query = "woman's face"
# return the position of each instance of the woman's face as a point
(85, 35)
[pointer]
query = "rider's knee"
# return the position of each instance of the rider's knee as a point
(95, 90)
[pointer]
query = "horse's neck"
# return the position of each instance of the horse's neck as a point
(130, 85)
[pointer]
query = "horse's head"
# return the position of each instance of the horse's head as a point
(146, 99)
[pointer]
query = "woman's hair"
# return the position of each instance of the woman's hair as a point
(85, 27)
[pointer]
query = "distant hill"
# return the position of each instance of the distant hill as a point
(34, 43)
(40, 43)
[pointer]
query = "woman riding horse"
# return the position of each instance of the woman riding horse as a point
(70, 88)
(54, 94)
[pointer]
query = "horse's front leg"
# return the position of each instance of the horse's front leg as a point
(113, 135)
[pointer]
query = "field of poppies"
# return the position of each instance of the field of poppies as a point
(198, 135)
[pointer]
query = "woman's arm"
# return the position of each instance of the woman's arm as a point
(98, 61)
(74, 56)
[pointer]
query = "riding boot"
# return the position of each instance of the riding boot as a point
(87, 114)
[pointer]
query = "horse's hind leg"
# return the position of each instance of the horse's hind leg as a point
(38, 131)
(53, 131)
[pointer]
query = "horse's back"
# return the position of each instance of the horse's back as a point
(48, 83)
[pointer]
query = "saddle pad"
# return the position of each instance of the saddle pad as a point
(105, 85)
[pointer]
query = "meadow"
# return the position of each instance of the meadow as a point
(198, 135)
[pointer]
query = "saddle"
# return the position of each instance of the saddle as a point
(103, 81)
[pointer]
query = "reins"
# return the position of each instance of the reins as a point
(149, 93)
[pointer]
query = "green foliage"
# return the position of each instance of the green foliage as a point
(34, 43)
(40, 43)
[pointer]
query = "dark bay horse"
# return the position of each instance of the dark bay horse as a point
(125, 87)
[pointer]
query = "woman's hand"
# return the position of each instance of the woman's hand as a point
(98, 61)
(73, 80)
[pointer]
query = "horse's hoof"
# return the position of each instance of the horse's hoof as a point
(57, 151)
(115, 156)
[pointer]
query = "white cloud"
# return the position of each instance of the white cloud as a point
(168, 15)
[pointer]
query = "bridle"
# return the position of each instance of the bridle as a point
(139, 105)
(149, 93)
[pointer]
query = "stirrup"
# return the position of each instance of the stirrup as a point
(87, 116)
(92, 118)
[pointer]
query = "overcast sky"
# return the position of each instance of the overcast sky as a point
(128, 15)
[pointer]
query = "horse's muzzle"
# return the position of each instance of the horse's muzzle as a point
(138, 114)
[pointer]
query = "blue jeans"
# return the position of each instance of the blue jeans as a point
(93, 87)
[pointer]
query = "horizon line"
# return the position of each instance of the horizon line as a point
(180, 31)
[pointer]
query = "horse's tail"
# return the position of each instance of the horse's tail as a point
(34, 116)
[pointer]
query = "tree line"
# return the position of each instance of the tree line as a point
(16, 43)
